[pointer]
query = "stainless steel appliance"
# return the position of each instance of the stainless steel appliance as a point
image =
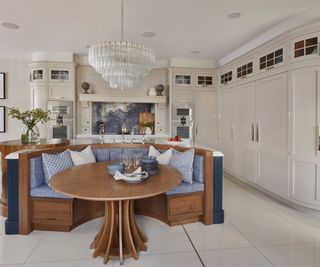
(182, 110)
(184, 131)
(60, 124)
(182, 120)
(60, 108)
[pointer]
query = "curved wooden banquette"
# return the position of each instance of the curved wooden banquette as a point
(39, 211)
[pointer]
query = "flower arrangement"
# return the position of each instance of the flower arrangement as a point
(29, 118)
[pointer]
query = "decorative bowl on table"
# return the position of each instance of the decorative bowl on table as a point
(148, 160)
(151, 167)
(112, 168)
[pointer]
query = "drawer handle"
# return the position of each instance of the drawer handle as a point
(52, 219)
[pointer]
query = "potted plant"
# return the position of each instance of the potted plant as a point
(30, 133)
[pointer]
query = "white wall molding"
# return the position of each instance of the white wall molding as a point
(308, 16)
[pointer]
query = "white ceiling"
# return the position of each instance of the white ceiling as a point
(181, 25)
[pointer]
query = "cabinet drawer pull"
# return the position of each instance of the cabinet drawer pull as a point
(52, 219)
(257, 133)
(317, 138)
(252, 132)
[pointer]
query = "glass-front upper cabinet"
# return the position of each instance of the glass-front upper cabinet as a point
(37, 72)
(59, 75)
(305, 47)
(226, 77)
(182, 79)
(245, 70)
(272, 58)
(204, 80)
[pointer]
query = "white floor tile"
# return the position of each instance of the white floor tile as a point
(244, 257)
(305, 255)
(163, 238)
(98, 262)
(72, 247)
(16, 248)
(217, 236)
(185, 259)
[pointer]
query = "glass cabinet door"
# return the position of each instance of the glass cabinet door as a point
(305, 46)
(182, 79)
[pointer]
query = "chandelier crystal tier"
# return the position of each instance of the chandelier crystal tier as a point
(121, 63)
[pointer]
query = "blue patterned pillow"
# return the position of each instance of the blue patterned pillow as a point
(183, 162)
(54, 163)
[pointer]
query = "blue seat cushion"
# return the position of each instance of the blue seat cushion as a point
(102, 154)
(36, 172)
(198, 168)
(186, 188)
(45, 191)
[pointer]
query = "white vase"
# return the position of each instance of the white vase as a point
(152, 92)
(148, 131)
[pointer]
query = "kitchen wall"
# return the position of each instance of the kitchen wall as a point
(17, 93)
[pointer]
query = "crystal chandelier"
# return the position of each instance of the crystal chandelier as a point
(121, 63)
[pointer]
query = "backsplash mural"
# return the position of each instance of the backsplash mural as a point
(113, 118)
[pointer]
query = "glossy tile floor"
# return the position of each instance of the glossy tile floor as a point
(258, 232)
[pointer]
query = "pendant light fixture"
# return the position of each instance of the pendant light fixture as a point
(121, 63)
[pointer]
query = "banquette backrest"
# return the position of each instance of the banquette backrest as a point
(103, 153)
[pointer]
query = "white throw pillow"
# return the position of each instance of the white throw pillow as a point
(82, 157)
(163, 158)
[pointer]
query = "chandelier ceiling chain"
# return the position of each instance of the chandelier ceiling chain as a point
(121, 63)
(122, 21)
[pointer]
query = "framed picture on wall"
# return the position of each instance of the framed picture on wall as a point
(2, 119)
(2, 85)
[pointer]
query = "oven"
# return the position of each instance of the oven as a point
(60, 124)
(60, 108)
(62, 130)
(184, 131)
(182, 110)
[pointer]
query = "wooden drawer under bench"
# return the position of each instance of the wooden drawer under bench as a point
(51, 213)
(174, 209)
(57, 214)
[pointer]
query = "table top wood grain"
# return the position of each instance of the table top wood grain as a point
(93, 182)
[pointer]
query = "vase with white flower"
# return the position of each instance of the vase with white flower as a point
(30, 133)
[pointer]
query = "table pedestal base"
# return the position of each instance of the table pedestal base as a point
(120, 236)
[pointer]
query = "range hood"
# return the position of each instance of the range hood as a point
(122, 99)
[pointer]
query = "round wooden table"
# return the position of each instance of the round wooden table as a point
(120, 236)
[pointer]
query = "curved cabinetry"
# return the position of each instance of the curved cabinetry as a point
(270, 118)
(51, 81)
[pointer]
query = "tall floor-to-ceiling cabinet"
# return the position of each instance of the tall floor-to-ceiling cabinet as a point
(304, 92)
(269, 106)
(254, 131)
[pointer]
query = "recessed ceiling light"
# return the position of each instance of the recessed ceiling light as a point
(195, 52)
(149, 34)
(9, 25)
(233, 15)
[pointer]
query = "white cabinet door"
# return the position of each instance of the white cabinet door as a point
(304, 143)
(206, 109)
(272, 125)
(39, 100)
(161, 118)
(244, 121)
(227, 129)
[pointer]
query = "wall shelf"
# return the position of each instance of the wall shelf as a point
(122, 99)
